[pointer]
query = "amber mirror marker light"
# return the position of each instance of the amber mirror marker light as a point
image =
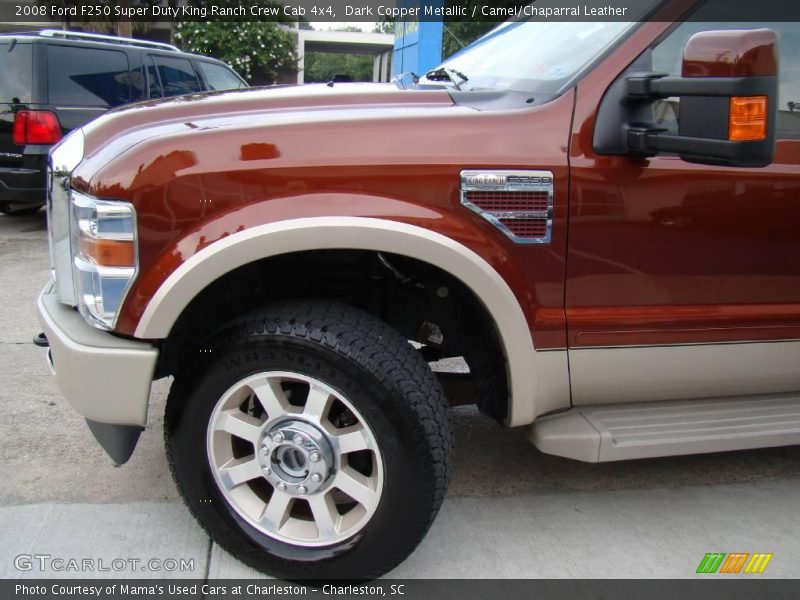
(736, 53)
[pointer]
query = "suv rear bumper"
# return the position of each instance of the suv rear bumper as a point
(24, 185)
(105, 378)
(32, 191)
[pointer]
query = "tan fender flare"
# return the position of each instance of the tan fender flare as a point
(320, 233)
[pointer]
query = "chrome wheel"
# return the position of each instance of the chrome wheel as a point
(295, 459)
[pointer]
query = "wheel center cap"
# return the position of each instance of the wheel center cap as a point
(296, 457)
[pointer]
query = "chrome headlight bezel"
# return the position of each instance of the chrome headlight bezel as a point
(83, 281)
(100, 290)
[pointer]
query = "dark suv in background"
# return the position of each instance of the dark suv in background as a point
(54, 81)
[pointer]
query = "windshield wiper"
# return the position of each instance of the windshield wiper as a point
(450, 74)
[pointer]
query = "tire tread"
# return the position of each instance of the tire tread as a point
(375, 347)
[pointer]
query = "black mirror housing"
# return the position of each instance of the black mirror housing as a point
(704, 120)
(728, 77)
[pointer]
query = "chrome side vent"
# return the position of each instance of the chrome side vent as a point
(518, 203)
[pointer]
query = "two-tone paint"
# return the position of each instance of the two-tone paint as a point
(652, 258)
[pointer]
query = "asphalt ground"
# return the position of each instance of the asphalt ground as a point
(511, 511)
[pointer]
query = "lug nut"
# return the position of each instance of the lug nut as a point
(267, 471)
(316, 477)
(278, 437)
(301, 489)
(298, 440)
(314, 457)
(282, 487)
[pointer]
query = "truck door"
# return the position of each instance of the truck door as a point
(683, 280)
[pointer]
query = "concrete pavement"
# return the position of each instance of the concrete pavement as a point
(510, 512)
(655, 533)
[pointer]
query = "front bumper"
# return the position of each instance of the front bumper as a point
(105, 378)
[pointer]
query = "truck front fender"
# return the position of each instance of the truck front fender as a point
(363, 233)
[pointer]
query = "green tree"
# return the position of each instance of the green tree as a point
(99, 22)
(384, 26)
(258, 51)
(458, 34)
(324, 66)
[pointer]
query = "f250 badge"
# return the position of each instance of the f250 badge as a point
(518, 203)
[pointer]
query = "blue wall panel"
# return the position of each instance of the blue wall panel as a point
(417, 44)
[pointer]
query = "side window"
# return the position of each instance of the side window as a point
(16, 73)
(220, 77)
(668, 54)
(177, 76)
(153, 82)
(87, 76)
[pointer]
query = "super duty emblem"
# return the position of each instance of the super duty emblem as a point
(503, 181)
(518, 203)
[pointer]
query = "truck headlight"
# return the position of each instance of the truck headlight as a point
(103, 241)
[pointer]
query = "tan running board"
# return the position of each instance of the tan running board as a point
(625, 431)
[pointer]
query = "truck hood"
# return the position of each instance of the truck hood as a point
(132, 124)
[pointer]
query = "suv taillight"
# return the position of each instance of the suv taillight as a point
(36, 127)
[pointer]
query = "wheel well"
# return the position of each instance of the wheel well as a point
(425, 303)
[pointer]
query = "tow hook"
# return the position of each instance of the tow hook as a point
(41, 340)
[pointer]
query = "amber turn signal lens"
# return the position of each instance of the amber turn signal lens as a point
(748, 120)
(107, 253)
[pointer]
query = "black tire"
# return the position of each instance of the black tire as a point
(381, 375)
(18, 212)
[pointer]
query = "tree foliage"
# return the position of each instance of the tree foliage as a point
(384, 26)
(97, 22)
(324, 66)
(458, 34)
(257, 50)
(321, 67)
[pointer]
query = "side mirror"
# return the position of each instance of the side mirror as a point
(728, 103)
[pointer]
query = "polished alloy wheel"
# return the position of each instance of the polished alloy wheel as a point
(295, 459)
(273, 430)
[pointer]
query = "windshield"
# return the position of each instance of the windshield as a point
(531, 56)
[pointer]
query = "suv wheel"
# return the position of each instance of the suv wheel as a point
(311, 441)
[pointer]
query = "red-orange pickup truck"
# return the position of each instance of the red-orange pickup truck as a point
(602, 218)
